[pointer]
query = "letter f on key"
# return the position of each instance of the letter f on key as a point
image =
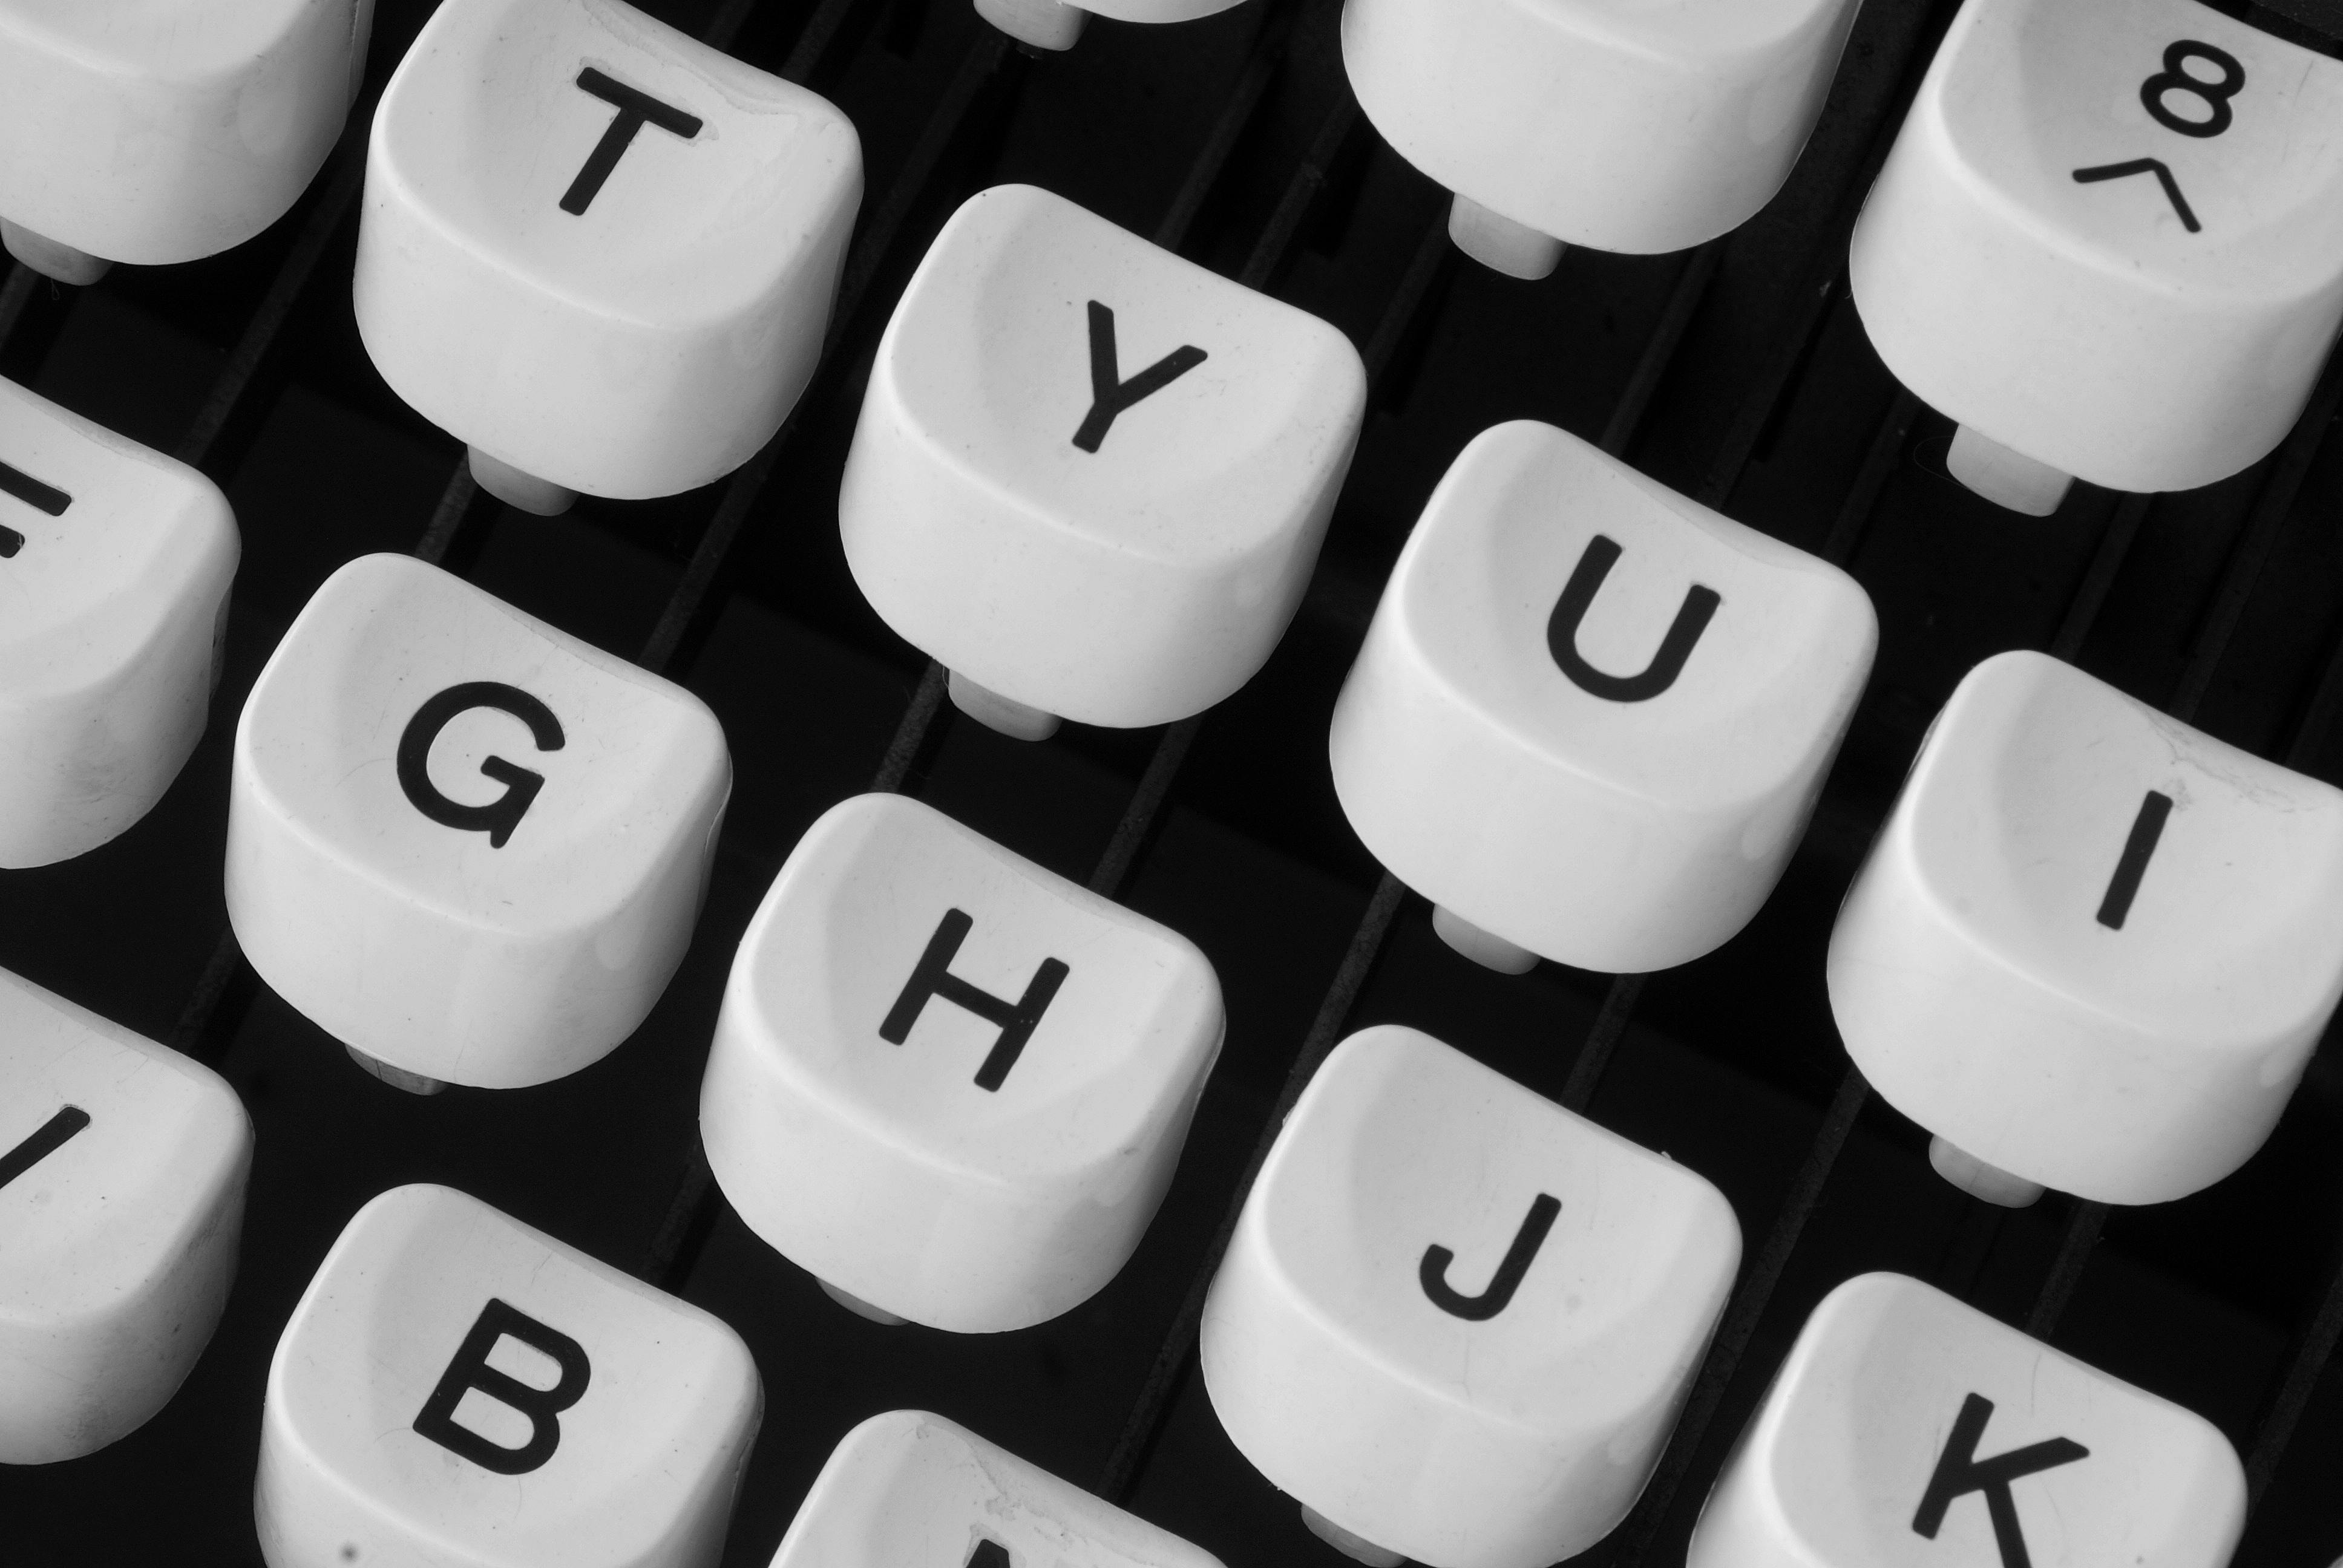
(1960, 1471)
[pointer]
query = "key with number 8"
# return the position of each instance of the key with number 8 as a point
(2109, 244)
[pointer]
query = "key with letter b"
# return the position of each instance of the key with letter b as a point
(2109, 243)
(121, 1177)
(948, 1083)
(467, 846)
(1591, 716)
(2093, 948)
(1091, 478)
(456, 1390)
(1456, 1320)
(597, 251)
(1908, 1431)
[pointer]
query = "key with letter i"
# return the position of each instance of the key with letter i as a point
(2108, 244)
(1908, 1431)
(2093, 948)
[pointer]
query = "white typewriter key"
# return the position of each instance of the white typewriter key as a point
(2108, 242)
(1057, 24)
(115, 565)
(1091, 478)
(161, 133)
(1621, 125)
(1456, 1320)
(1591, 716)
(121, 1175)
(463, 843)
(595, 250)
(2092, 949)
(456, 1390)
(910, 1490)
(950, 1084)
(1908, 1431)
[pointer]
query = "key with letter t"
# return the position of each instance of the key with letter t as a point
(1590, 716)
(597, 250)
(1091, 478)
(1908, 1431)
(948, 1083)
(1456, 1320)
(121, 1177)
(467, 846)
(115, 565)
(910, 1490)
(2093, 948)
(2108, 242)
(456, 1390)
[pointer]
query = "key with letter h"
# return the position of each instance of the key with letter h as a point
(2093, 948)
(1091, 478)
(122, 1178)
(115, 565)
(946, 1082)
(1456, 1320)
(2108, 242)
(1908, 1431)
(595, 249)
(1591, 716)
(467, 846)
(910, 1490)
(456, 1390)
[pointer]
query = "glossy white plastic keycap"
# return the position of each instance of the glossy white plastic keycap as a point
(1621, 125)
(1591, 716)
(596, 249)
(1908, 1431)
(115, 565)
(1090, 476)
(456, 1390)
(2109, 242)
(1057, 24)
(947, 1083)
(121, 1176)
(158, 130)
(1456, 1319)
(462, 842)
(910, 1490)
(2093, 948)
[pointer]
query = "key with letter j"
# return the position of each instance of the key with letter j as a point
(2093, 948)
(456, 1390)
(1908, 1431)
(1456, 1320)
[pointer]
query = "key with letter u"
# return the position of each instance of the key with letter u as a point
(950, 1084)
(115, 565)
(910, 1490)
(1456, 1320)
(1591, 716)
(161, 133)
(1091, 478)
(467, 846)
(2108, 242)
(122, 1178)
(2093, 948)
(456, 1390)
(597, 250)
(1908, 1431)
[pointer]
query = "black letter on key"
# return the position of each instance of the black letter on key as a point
(988, 1553)
(1562, 631)
(45, 1141)
(1960, 1471)
(470, 1370)
(931, 978)
(33, 493)
(636, 109)
(2132, 864)
(1480, 1308)
(1110, 395)
(501, 816)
